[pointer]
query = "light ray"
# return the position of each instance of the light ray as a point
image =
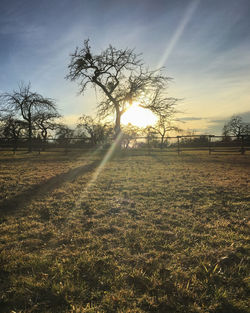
(99, 169)
(188, 14)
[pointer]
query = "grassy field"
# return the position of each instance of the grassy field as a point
(142, 233)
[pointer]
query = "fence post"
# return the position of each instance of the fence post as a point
(178, 144)
(14, 145)
(209, 144)
(148, 145)
(242, 145)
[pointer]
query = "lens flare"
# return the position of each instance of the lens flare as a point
(138, 116)
(99, 169)
(188, 14)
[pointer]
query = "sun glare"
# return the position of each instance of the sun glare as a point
(138, 116)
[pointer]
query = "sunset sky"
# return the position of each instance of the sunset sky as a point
(203, 45)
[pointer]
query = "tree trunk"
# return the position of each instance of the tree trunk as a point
(162, 140)
(118, 135)
(44, 134)
(117, 123)
(30, 132)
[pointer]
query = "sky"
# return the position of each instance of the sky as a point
(203, 45)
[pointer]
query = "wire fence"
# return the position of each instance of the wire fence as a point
(148, 144)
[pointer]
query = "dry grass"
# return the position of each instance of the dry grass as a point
(153, 233)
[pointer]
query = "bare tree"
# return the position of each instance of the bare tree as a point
(165, 108)
(163, 126)
(27, 104)
(64, 134)
(13, 129)
(46, 121)
(122, 78)
(129, 135)
(236, 127)
(93, 129)
(151, 136)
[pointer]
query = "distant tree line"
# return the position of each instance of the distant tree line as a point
(122, 78)
(25, 113)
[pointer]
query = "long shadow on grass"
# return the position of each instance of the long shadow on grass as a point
(11, 205)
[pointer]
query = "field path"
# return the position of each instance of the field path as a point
(42, 189)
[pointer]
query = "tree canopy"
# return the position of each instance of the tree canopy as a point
(236, 127)
(29, 106)
(163, 126)
(122, 78)
(93, 129)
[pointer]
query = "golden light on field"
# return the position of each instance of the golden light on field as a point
(138, 116)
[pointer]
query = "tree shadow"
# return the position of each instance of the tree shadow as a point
(9, 206)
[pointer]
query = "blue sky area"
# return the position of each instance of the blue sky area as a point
(204, 45)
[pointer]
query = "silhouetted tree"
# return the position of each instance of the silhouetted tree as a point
(28, 105)
(226, 134)
(64, 134)
(129, 134)
(13, 129)
(93, 129)
(122, 78)
(163, 126)
(151, 136)
(236, 127)
(46, 121)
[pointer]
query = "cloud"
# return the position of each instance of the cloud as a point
(192, 118)
(210, 60)
(245, 116)
(212, 125)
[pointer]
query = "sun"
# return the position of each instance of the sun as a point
(138, 116)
